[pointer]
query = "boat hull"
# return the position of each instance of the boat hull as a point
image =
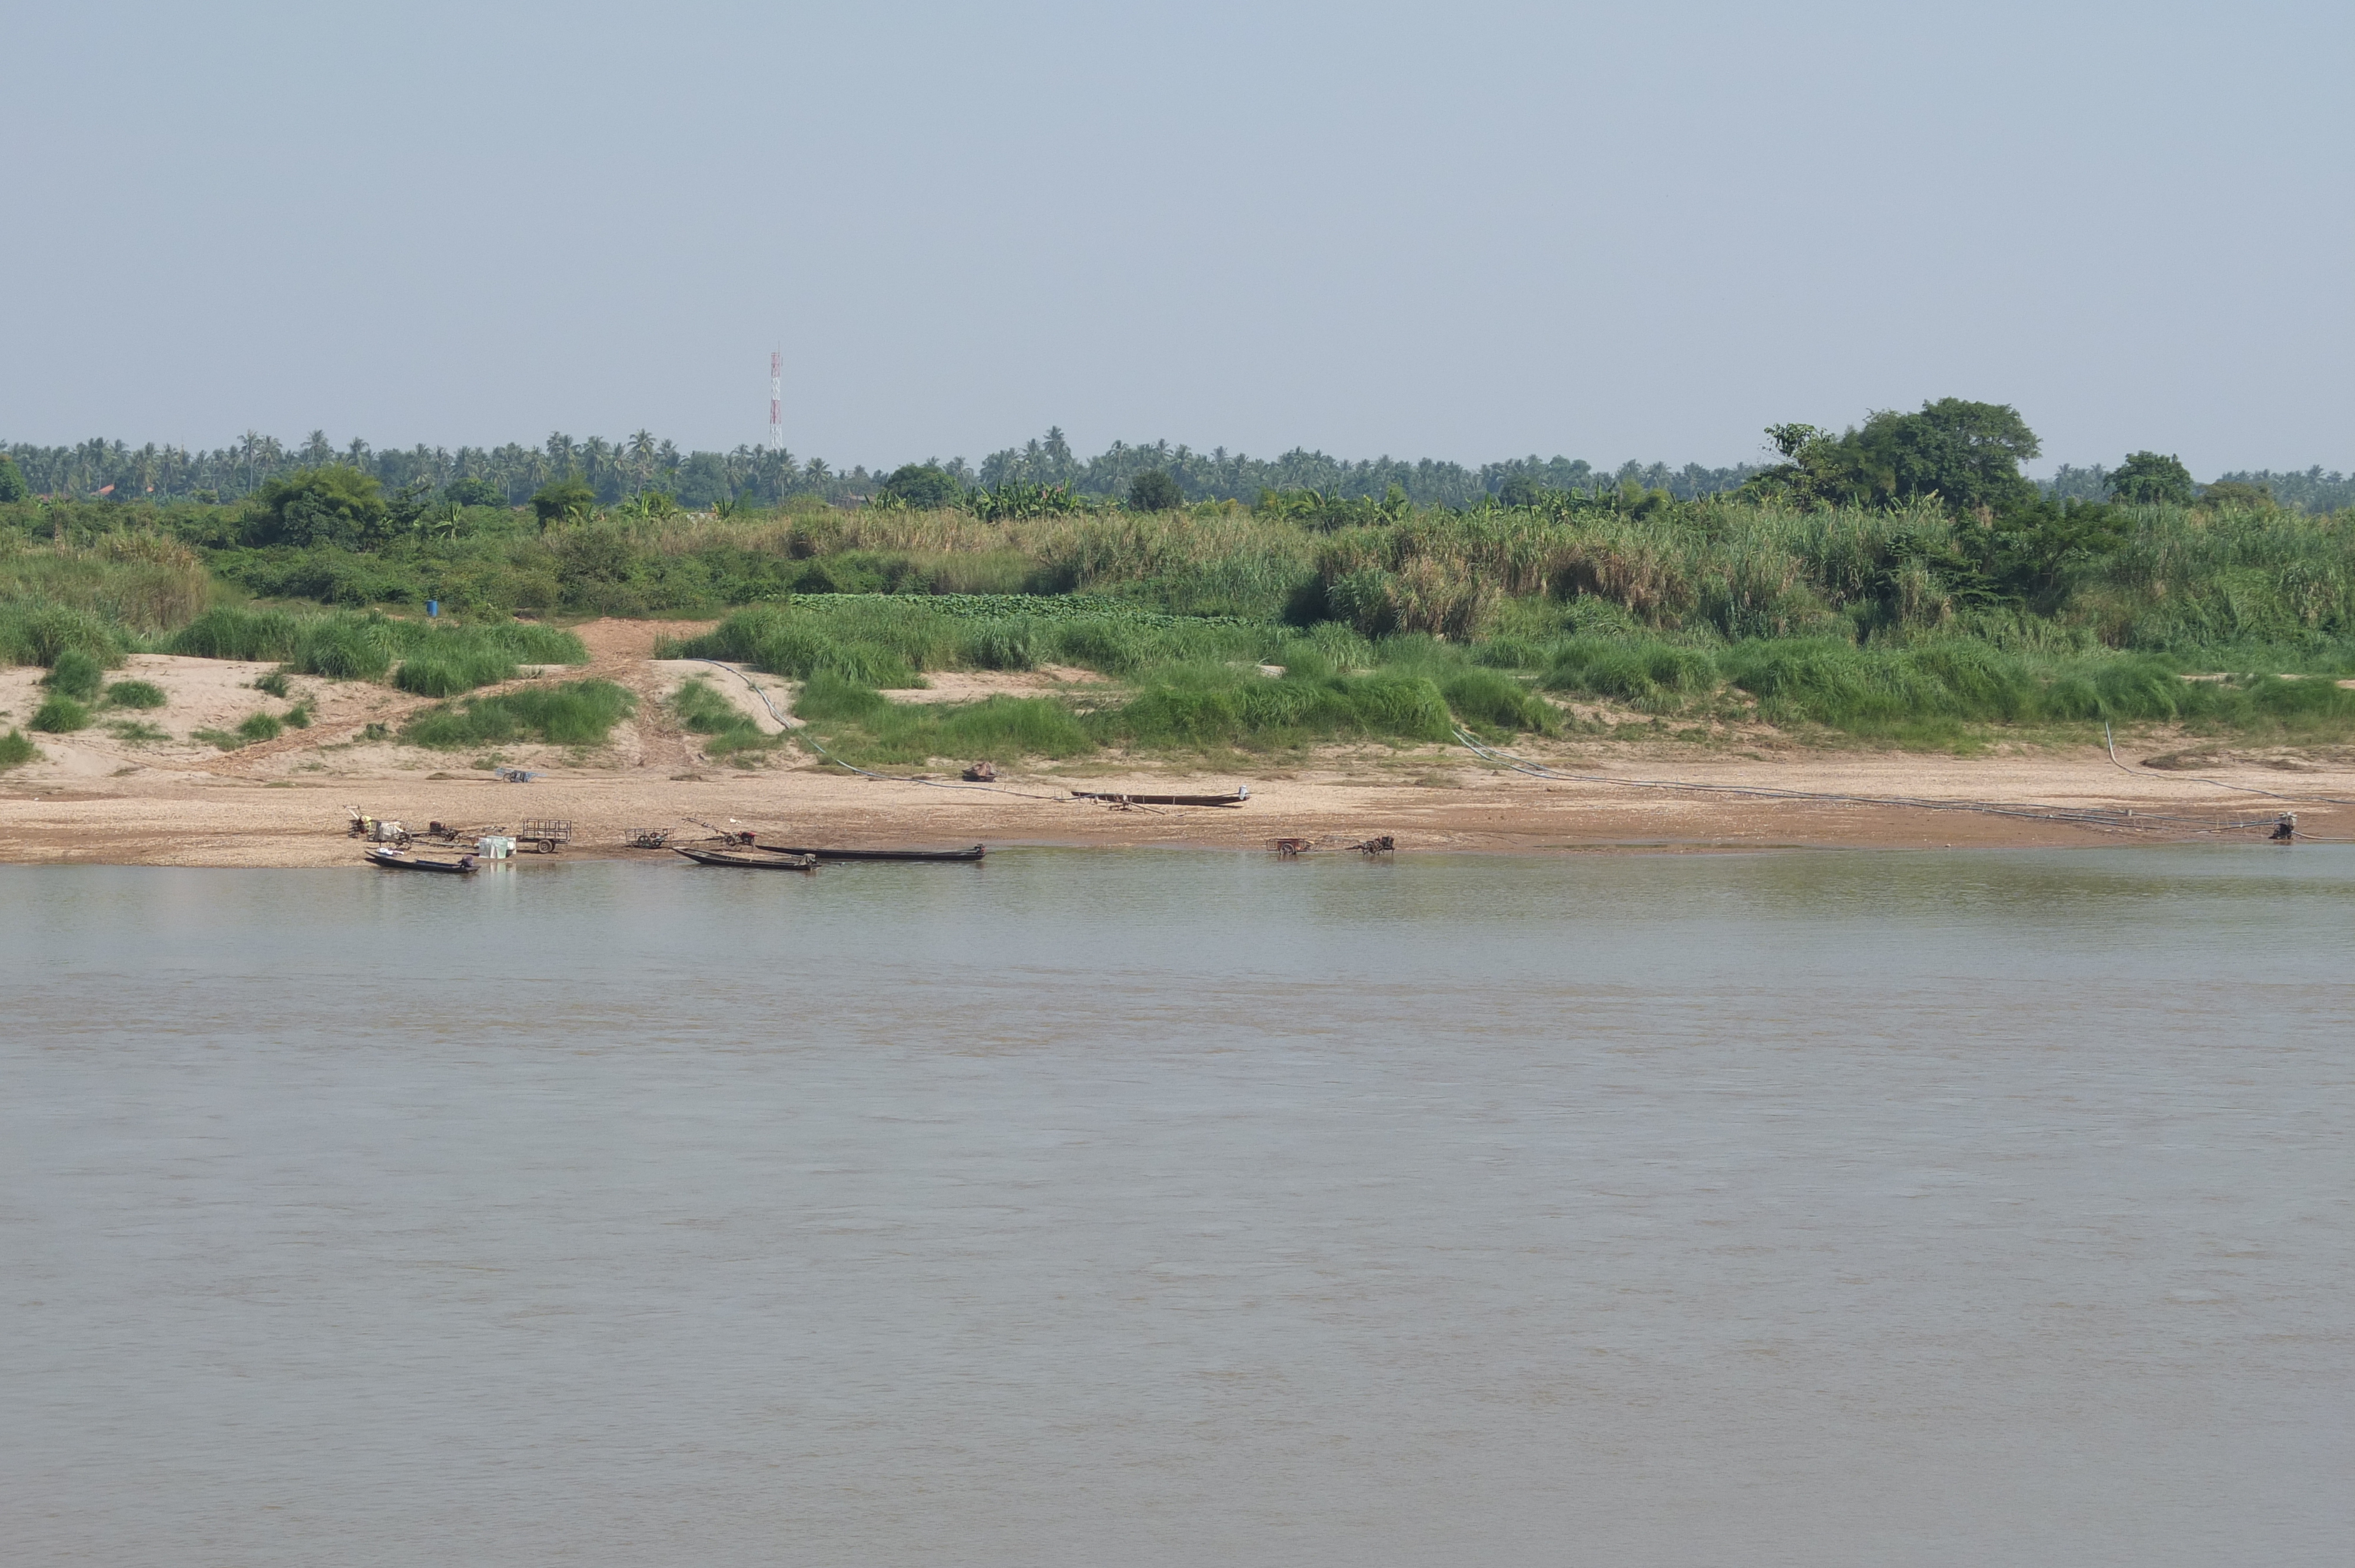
(746, 861)
(393, 860)
(975, 852)
(1126, 799)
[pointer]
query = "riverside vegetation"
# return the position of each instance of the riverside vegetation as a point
(1899, 582)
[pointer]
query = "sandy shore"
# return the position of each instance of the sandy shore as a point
(98, 798)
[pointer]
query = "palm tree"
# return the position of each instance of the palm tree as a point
(641, 459)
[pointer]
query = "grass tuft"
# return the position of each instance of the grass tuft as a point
(727, 728)
(78, 673)
(59, 714)
(576, 713)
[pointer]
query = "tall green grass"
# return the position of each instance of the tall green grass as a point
(1932, 686)
(726, 729)
(435, 660)
(888, 642)
(34, 631)
(869, 729)
(576, 713)
(16, 749)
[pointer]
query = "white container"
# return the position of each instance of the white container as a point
(495, 846)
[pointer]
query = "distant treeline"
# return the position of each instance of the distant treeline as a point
(2313, 491)
(619, 470)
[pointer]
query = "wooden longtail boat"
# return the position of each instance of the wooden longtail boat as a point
(747, 861)
(1126, 799)
(400, 860)
(968, 854)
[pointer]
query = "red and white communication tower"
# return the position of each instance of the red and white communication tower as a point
(777, 399)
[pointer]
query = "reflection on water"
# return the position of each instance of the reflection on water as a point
(1141, 1207)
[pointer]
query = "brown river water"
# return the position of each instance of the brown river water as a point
(1096, 1207)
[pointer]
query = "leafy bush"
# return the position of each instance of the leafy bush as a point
(576, 713)
(334, 504)
(1154, 491)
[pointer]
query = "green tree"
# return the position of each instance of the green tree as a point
(2231, 492)
(1967, 454)
(1154, 490)
(2033, 552)
(1817, 468)
(922, 487)
(1519, 490)
(562, 499)
(336, 504)
(12, 480)
(2147, 479)
(473, 490)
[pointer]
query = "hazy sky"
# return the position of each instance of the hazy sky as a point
(1455, 231)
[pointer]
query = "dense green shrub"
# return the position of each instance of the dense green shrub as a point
(16, 749)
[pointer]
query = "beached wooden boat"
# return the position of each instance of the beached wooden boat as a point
(401, 860)
(746, 860)
(885, 854)
(1124, 798)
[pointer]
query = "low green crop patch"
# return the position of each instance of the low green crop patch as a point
(141, 694)
(575, 713)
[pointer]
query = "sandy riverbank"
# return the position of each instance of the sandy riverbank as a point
(98, 798)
